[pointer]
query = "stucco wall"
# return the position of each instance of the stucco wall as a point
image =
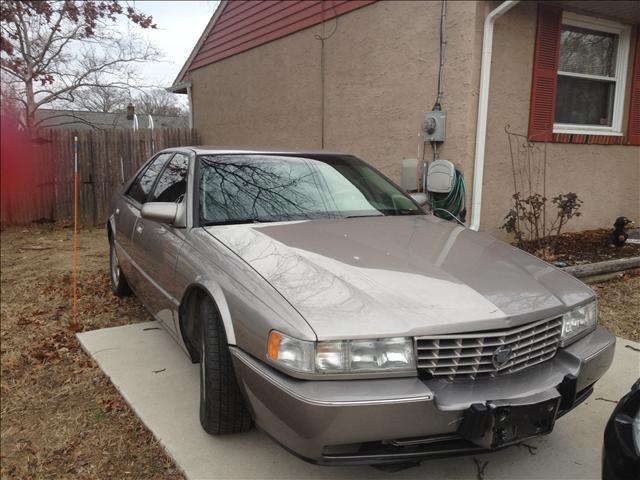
(606, 177)
(380, 79)
(267, 96)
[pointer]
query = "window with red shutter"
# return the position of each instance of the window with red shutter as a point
(633, 134)
(579, 75)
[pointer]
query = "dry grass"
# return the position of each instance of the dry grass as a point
(61, 417)
(619, 305)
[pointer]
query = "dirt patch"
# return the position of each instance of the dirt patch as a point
(619, 305)
(60, 416)
(588, 246)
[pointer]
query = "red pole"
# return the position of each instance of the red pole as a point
(76, 146)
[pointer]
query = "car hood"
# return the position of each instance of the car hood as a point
(400, 275)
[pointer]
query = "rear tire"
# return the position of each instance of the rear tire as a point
(222, 407)
(119, 285)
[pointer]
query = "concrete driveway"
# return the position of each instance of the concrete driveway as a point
(159, 382)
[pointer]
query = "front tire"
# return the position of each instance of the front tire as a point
(119, 285)
(222, 407)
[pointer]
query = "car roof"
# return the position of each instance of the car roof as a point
(218, 150)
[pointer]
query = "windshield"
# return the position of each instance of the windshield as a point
(271, 188)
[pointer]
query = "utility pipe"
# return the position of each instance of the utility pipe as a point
(483, 102)
(190, 98)
(153, 142)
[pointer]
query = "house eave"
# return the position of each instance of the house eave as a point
(205, 33)
(182, 87)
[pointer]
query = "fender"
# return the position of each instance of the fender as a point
(215, 292)
(211, 288)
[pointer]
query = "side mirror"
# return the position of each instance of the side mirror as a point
(420, 198)
(163, 212)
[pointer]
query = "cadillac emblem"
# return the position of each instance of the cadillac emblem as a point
(501, 356)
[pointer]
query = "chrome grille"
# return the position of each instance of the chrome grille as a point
(470, 356)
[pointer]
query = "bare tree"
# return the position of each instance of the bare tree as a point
(158, 101)
(9, 107)
(53, 49)
(105, 99)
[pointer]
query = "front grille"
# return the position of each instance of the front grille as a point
(470, 356)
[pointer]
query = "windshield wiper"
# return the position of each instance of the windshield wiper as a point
(239, 221)
(365, 215)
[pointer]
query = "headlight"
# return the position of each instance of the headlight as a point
(342, 356)
(578, 322)
(387, 354)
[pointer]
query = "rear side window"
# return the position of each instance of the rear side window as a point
(172, 184)
(140, 188)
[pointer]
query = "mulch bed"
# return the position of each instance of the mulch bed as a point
(588, 246)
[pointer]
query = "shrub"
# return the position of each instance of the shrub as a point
(527, 220)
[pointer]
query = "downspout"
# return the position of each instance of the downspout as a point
(190, 106)
(483, 102)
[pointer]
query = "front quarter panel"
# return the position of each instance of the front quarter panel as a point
(250, 308)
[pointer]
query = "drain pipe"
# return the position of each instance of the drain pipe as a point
(190, 98)
(483, 102)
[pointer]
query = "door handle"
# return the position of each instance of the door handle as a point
(139, 228)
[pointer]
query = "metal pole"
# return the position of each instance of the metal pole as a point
(76, 146)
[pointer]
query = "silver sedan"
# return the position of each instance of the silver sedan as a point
(326, 307)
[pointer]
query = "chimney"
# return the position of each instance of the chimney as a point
(131, 110)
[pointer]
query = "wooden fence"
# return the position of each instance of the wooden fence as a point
(37, 175)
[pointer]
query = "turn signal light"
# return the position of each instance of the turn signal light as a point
(273, 346)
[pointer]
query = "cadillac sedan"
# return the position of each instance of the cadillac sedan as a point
(327, 307)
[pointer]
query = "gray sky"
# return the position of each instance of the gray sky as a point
(180, 24)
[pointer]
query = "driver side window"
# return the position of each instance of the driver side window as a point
(172, 184)
(140, 188)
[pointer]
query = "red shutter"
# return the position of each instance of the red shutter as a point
(633, 134)
(545, 73)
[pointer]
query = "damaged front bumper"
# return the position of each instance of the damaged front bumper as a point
(410, 419)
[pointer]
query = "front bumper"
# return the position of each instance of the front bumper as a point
(406, 419)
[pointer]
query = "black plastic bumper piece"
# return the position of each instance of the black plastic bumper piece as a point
(567, 390)
(497, 424)
(476, 421)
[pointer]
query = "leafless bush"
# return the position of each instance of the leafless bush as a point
(527, 219)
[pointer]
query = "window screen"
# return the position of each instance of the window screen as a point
(586, 77)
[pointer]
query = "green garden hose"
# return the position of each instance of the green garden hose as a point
(452, 205)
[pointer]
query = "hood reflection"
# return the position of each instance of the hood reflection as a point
(392, 275)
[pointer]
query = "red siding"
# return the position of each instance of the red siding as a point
(246, 24)
(633, 134)
(545, 72)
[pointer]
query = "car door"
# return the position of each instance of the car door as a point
(156, 245)
(127, 214)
